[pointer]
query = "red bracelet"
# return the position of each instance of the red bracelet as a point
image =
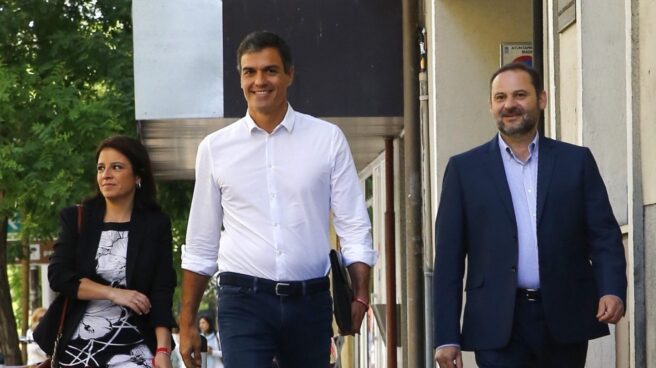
(166, 351)
(361, 301)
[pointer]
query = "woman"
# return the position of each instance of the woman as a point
(34, 353)
(118, 271)
(214, 355)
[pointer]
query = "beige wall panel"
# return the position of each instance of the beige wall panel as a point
(650, 283)
(568, 86)
(466, 51)
(647, 55)
(603, 100)
(647, 78)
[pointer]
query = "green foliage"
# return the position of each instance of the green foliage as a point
(14, 277)
(66, 82)
(175, 198)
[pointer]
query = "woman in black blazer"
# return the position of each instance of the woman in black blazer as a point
(117, 271)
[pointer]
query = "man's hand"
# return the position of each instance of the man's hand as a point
(359, 273)
(448, 357)
(611, 309)
(193, 285)
(358, 311)
(190, 346)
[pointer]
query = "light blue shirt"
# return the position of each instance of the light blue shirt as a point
(522, 177)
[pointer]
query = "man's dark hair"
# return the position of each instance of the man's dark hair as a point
(259, 40)
(536, 80)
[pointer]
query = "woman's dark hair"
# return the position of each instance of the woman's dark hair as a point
(209, 321)
(260, 40)
(145, 198)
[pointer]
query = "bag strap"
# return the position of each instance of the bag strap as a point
(80, 214)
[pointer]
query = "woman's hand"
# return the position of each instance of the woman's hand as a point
(91, 290)
(162, 360)
(132, 299)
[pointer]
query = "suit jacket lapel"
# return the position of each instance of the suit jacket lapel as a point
(546, 163)
(134, 243)
(498, 174)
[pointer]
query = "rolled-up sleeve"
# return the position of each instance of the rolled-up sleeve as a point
(200, 253)
(351, 219)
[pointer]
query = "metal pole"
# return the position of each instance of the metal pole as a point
(390, 255)
(426, 215)
(413, 198)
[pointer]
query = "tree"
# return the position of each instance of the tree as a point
(65, 83)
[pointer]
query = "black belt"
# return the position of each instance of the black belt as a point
(279, 288)
(531, 295)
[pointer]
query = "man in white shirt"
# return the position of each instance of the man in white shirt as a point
(265, 186)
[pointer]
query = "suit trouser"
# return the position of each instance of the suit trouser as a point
(531, 345)
(257, 326)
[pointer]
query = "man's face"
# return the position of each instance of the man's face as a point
(514, 103)
(264, 81)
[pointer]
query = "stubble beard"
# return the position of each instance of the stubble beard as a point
(526, 126)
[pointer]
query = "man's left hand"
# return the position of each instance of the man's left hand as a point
(358, 311)
(359, 273)
(611, 309)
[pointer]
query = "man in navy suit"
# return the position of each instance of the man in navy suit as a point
(545, 262)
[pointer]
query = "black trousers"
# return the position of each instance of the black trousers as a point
(531, 345)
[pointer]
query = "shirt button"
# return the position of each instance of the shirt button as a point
(279, 252)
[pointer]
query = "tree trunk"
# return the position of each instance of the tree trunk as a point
(8, 333)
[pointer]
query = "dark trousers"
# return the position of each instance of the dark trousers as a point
(257, 326)
(531, 345)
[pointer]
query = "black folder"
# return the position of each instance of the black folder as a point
(342, 292)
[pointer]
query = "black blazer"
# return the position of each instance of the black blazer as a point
(149, 268)
(581, 255)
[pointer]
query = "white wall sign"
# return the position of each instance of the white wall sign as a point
(516, 52)
(178, 59)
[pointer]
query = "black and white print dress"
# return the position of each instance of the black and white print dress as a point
(107, 335)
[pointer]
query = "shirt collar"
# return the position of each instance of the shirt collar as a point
(532, 147)
(286, 123)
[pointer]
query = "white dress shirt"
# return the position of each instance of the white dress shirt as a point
(273, 193)
(522, 177)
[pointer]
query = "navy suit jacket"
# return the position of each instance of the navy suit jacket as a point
(581, 255)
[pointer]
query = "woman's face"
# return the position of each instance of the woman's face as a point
(115, 177)
(203, 325)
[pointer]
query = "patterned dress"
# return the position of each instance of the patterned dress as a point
(107, 335)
